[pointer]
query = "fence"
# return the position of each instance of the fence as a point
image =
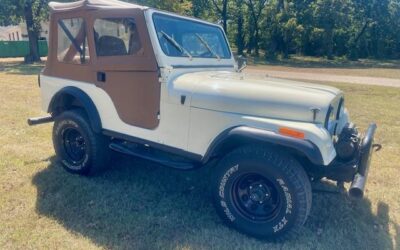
(20, 48)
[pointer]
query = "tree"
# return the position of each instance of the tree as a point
(200, 8)
(178, 6)
(240, 32)
(352, 28)
(221, 7)
(256, 9)
(33, 12)
(332, 17)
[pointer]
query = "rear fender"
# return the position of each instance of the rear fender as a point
(67, 97)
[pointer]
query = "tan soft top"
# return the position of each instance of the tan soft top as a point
(93, 4)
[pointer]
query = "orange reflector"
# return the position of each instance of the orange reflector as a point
(292, 133)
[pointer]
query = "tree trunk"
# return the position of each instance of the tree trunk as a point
(223, 12)
(240, 43)
(255, 15)
(329, 43)
(353, 51)
(250, 44)
(225, 23)
(225, 16)
(33, 34)
(286, 46)
(256, 41)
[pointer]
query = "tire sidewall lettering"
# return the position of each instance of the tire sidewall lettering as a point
(222, 186)
(78, 166)
(289, 206)
(288, 196)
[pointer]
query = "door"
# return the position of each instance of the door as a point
(124, 65)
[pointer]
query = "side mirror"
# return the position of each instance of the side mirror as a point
(242, 63)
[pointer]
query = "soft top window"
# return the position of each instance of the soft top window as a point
(116, 37)
(72, 41)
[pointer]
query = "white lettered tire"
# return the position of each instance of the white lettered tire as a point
(262, 192)
(79, 149)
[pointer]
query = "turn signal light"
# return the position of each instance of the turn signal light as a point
(292, 133)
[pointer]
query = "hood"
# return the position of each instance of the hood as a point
(258, 95)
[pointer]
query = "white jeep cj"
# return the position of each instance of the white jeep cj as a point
(166, 88)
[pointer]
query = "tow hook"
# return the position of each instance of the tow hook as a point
(377, 147)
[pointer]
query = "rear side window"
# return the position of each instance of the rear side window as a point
(116, 37)
(72, 41)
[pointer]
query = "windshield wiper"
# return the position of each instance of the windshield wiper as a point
(208, 46)
(177, 45)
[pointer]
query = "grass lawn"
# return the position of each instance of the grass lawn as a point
(139, 205)
(362, 67)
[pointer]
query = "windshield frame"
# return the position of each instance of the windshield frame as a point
(201, 22)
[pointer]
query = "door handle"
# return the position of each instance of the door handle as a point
(101, 77)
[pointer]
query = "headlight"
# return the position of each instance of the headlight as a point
(340, 109)
(330, 120)
(333, 116)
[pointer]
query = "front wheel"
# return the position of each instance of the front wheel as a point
(80, 150)
(262, 192)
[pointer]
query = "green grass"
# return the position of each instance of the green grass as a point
(322, 62)
(339, 66)
(140, 205)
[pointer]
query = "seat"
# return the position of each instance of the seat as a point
(110, 46)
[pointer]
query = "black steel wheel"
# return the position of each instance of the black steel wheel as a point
(262, 192)
(256, 197)
(80, 150)
(74, 145)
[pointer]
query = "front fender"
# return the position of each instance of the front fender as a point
(247, 134)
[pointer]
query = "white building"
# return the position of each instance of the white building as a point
(19, 32)
(11, 33)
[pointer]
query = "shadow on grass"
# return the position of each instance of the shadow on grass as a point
(19, 68)
(139, 205)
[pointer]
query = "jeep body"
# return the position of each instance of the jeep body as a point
(167, 88)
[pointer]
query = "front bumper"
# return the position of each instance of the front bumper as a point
(366, 149)
(354, 170)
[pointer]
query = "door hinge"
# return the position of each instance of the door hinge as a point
(183, 99)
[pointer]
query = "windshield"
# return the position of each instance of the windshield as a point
(180, 37)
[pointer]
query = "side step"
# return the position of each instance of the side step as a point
(151, 154)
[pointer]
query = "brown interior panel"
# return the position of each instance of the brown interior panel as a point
(136, 96)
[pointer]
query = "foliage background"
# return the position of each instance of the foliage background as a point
(272, 28)
(342, 28)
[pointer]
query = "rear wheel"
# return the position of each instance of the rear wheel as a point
(80, 150)
(262, 192)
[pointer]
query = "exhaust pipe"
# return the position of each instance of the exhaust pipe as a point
(40, 120)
